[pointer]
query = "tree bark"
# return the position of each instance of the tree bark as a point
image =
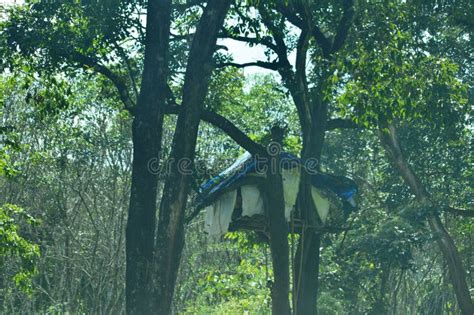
(306, 262)
(306, 272)
(170, 237)
(147, 131)
(446, 244)
(278, 230)
(312, 114)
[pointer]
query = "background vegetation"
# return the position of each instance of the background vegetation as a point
(66, 158)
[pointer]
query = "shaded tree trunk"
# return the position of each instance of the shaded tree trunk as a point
(147, 131)
(278, 229)
(307, 258)
(446, 244)
(312, 113)
(170, 236)
(380, 305)
(306, 272)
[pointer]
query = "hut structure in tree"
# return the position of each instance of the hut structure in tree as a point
(234, 200)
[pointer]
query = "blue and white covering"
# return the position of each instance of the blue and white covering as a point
(219, 202)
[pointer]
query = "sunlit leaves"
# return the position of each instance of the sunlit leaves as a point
(54, 33)
(240, 286)
(15, 246)
(394, 84)
(394, 78)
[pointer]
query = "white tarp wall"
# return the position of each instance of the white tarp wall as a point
(322, 204)
(252, 201)
(291, 184)
(219, 214)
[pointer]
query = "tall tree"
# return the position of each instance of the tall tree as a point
(391, 143)
(310, 101)
(170, 237)
(413, 81)
(146, 135)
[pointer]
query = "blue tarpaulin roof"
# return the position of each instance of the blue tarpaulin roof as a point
(344, 187)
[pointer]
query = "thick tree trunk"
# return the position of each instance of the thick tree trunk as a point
(170, 237)
(306, 273)
(455, 267)
(306, 261)
(278, 229)
(312, 114)
(446, 244)
(147, 130)
(306, 264)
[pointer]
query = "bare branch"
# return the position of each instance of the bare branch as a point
(262, 64)
(226, 126)
(301, 93)
(221, 47)
(288, 11)
(265, 41)
(323, 42)
(124, 57)
(280, 47)
(391, 143)
(340, 123)
(344, 25)
(176, 37)
(90, 63)
(460, 212)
